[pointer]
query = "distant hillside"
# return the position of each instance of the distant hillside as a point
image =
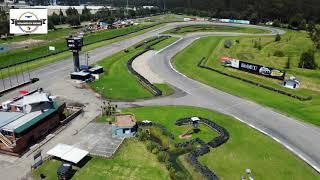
(282, 10)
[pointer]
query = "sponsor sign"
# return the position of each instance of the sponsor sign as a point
(235, 21)
(52, 48)
(28, 21)
(253, 68)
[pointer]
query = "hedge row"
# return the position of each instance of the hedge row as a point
(161, 127)
(254, 83)
(100, 40)
(204, 149)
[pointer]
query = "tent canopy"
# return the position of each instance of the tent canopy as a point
(68, 153)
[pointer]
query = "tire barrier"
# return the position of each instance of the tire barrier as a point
(145, 42)
(205, 147)
(86, 44)
(153, 89)
(200, 64)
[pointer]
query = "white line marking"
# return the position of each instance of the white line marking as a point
(283, 143)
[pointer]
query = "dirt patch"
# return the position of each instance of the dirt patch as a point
(26, 43)
(140, 64)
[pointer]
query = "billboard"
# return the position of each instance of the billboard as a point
(253, 68)
(234, 21)
(28, 21)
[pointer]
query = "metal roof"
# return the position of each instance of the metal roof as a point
(19, 122)
(68, 153)
(37, 119)
(8, 117)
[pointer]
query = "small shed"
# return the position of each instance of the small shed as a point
(125, 125)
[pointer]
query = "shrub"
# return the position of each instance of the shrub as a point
(169, 165)
(179, 175)
(172, 172)
(276, 23)
(288, 63)
(238, 41)
(307, 60)
(142, 135)
(278, 53)
(163, 156)
(151, 145)
(278, 38)
(228, 43)
(155, 150)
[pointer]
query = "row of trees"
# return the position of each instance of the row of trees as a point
(74, 18)
(254, 10)
(4, 23)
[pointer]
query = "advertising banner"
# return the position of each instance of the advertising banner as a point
(253, 68)
(28, 21)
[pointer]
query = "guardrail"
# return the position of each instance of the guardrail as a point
(200, 64)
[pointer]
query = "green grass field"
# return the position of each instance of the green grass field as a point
(246, 148)
(214, 28)
(187, 60)
(119, 83)
(22, 54)
(44, 61)
(131, 161)
(52, 35)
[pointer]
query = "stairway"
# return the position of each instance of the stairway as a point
(6, 141)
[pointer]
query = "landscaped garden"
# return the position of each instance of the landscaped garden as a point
(291, 45)
(143, 159)
(119, 83)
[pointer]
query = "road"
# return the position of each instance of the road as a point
(299, 137)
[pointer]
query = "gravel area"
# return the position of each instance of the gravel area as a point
(140, 64)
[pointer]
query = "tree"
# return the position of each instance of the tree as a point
(73, 20)
(288, 63)
(71, 11)
(278, 38)
(62, 18)
(297, 22)
(307, 60)
(4, 23)
(54, 18)
(50, 23)
(86, 14)
(276, 23)
(314, 34)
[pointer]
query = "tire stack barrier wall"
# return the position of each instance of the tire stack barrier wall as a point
(200, 64)
(205, 147)
(145, 42)
(153, 88)
(58, 52)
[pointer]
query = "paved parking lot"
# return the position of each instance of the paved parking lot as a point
(97, 139)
